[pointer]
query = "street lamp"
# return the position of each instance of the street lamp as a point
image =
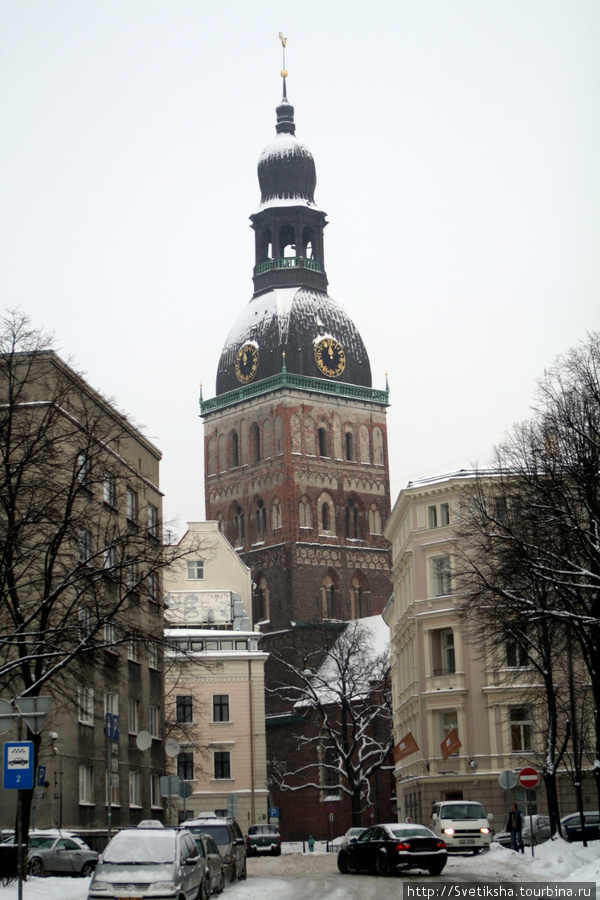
(56, 751)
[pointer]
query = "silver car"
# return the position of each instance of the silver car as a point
(150, 863)
(59, 853)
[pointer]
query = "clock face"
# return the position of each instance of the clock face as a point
(330, 357)
(246, 363)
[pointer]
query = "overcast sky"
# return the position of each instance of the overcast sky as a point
(457, 146)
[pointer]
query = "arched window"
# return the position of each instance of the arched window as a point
(323, 442)
(254, 441)
(260, 600)
(260, 520)
(212, 456)
(266, 248)
(360, 597)
(234, 450)
(287, 240)
(237, 532)
(349, 445)
(326, 515)
(276, 515)
(305, 513)
(375, 524)
(330, 596)
(352, 519)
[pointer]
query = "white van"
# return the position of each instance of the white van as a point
(462, 824)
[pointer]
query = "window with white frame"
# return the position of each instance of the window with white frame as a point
(521, 729)
(516, 655)
(153, 655)
(110, 557)
(85, 705)
(111, 704)
(110, 634)
(86, 775)
(432, 516)
(132, 505)
(444, 517)
(133, 707)
(153, 520)
(83, 468)
(152, 582)
(133, 650)
(195, 569)
(110, 489)
(220, 707)
(85, 544)
(134, 789)
(448, 720)
(441, 577)
(154, 714)
(442, 651)
(155, 795)
(85, 622)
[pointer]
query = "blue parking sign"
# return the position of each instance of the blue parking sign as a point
(18, 765)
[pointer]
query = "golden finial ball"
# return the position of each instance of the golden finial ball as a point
(284, 73)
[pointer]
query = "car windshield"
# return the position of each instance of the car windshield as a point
(463, 811)
(133, 847)
(414, 831)
(219, 833)
(41, 842)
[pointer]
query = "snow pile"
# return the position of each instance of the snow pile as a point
(553, 861)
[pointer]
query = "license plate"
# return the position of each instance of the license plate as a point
(460, 842)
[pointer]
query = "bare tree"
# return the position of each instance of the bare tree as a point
(338, 683)
(81, 550)
(533, 532)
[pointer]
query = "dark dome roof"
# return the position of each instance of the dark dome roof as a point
(293, 320)
(286, 168)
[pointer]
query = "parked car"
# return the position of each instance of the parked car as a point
(229, 839)
(263, 839)
(571, 826)
(351, 835)
(541, 832)
(385, 849)
(149, 863)
(215, 874)
(59, 853)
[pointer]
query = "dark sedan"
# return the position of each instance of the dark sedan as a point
(385, 849)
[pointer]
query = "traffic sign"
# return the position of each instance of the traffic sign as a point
(18, 765)
(507, 779)
(273, 812)
(41, 776)
(111, 727)
(528, 777)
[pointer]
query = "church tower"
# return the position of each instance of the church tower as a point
(296, 465)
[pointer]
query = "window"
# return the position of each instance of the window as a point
(110, 489)
(154, 721)
(260, 600)
(220, 707)
(520, 729)
(85, 705)
(254, 443)
(110, 634)
(153, 655)
(185, 765)
(330, 776)
(448, 721)
(85, 544)
(153, 520)
(155, 797)
(235, 450)
(132, 505)
(375, 519)
(83, 468)
(352, 517)
(134, 789)
(516, 655)
(85, 784)
(305, 513)
(443, 655)
(349, 446)
(85, 622)
(238, 527)
(260, 520)
(131, 574)
(444, 513)
(111, 704)
(183, 708)
(222, 764)
(133, 707)
(322, 436)
(432, 516)
(441, 576)
(325, 517)
(276, 515)
(110, 558)
(195, 569)
(152, 582)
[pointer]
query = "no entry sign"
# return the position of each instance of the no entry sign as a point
(528, 777)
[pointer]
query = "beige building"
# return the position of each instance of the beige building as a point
(214, 681)
(442, 685)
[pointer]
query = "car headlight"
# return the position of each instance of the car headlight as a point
(448, 831)
(164, 885)
(100, 886)
(485, 830)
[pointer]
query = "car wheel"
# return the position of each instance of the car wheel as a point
(244, 873)
(383, 865)
(87, 869)
(205, 888)
(437, 869)
(36, 867)
(342, 863)
(221, 883)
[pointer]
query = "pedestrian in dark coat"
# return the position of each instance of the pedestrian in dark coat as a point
(514, 825)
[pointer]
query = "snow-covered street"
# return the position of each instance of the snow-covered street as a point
(315, 876)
